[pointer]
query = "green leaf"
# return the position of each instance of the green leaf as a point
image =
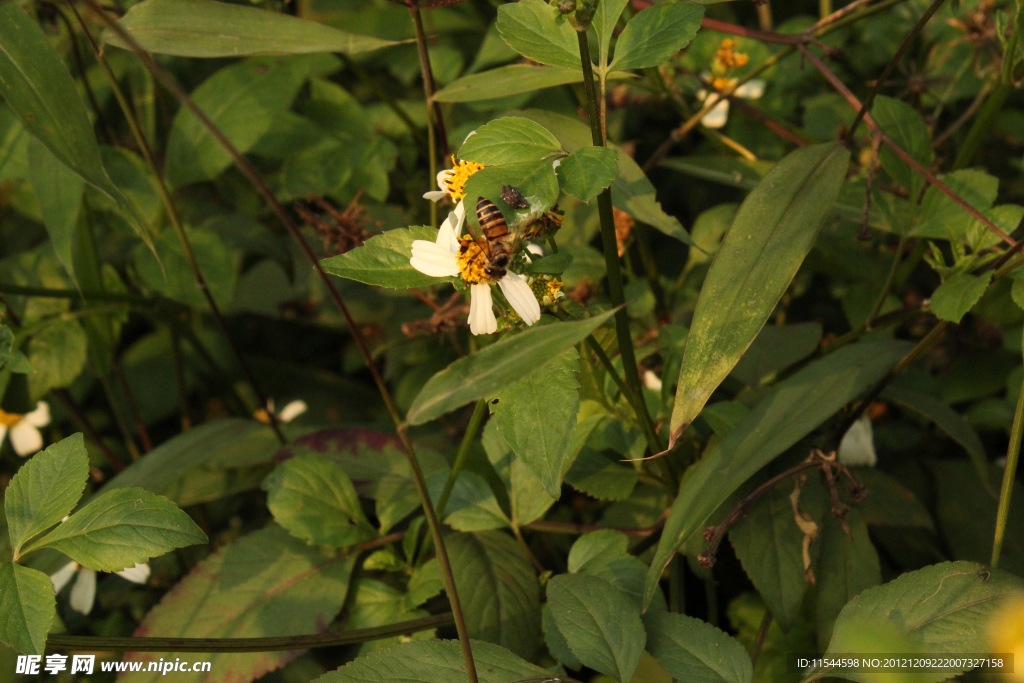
(59, 192)
(203, 28)
(655, 34)
(945, 608)
(266, 584)
(587, 171)
(775, 348)
(601, 477)
(597, 548)
(314, 500)
(176, 280)
(796, 407)
(958, 294)
(40, 91)
(847, 565)
(436, 661)
(535, 30)
(605, 21)
(955, 425)
(773, 231)
(10, 357)
(120, 529)
(632, 192)
(383, 260)
(941, 216)
(57, 355)
(45, 489)
(536, 180)
(555, 264)
(537, 416)
(513, 79)
(243, 100)
(769, 545)
(528, 498)
(601, 625)
(555, 641)
(508, 140)
(28, 605)
(498, 589)
(317, 170)
(904, 125)
(692, 650)
(484, 373)
(472, 505)
(378, 604)
(890, 503)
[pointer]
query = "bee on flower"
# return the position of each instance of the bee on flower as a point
(479, 262)
(723, 65)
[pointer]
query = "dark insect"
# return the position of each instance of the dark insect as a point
(495, 243)
(514, 198)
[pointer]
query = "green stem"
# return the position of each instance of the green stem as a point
(61, 642)
(884, 294)
(477, 419)
(982, 125)
(824, 8)
(611, 256)
(1009, 476)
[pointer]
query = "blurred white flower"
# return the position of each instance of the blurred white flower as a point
(858, 445)
(719, 114)
(291, 411)
(24, 429)
(83, 592)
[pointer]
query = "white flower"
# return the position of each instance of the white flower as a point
(24, 429)
(652, 381)
(440, 258)
(858, 445)
(291, 411)
(719, 114)
(83, 593)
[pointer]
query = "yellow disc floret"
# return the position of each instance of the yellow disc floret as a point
(454, 182)
(547, 289)
(8, 419)
(472, 260)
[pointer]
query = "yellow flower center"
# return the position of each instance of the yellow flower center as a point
(727, 58)
(9, 419)
(454, 182)
(547, 289)
(721, 84)
(472, 260)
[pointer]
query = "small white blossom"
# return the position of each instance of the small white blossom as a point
(24, 429)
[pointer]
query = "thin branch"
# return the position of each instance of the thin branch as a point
(839, 14)
(429, 86)
(580, 529)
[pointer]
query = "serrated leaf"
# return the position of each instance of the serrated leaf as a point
(595, 548)
(202, 28)
(769, 545)
(587, 171)
(536, 180)
(528, 498)
(45, 489)
(39, 89)
(601, 625)
(268, 583)
(314, 500)
(498, 589)
(57, 355)
(773, 231)
(508, 140)
(383, 260)
(941, 216)
(655, 34)
(958, 294)
(513, 79)
(944, 608)
(121, 529)
(847, 565)
(605, 20)
(28, 606)
(436, 661)
(243, 100)
(58, 191)
(472, 505)
(599, 476)
(537, 416)
(796, 407)
(535, 30)
(511, 359)
(904, 125)
(693, 650)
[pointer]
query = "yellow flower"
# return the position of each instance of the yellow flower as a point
(452, 181)
(1006, 634)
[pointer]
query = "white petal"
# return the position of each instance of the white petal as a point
(451, 228)
(83, 593)
(292, 411)
(40, 417)
(652, 381)
(858, 444)
(471, 134)
(481, 313)
(435, 195)
(442, 178)
(556, 163)
(718, 115)
(521, 297)
(751, 90)
(60, 578)
(137, 574)
(431, 259)
(535, 248)
(25, 438)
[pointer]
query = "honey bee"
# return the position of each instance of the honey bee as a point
(495, 242)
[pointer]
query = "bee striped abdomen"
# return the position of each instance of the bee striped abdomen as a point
(492, 223)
